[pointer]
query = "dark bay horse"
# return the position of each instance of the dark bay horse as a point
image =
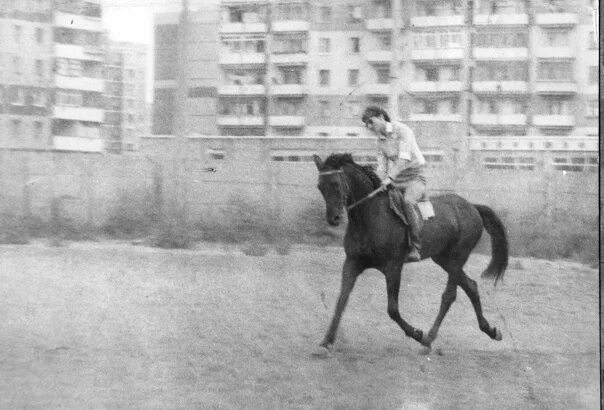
(377, 238)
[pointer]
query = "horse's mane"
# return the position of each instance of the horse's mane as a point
(335, 161)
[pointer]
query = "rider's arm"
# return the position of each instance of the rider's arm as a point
(382, 165)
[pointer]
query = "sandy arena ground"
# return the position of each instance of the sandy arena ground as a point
(115, 326)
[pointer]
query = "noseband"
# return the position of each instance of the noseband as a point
(341, 176)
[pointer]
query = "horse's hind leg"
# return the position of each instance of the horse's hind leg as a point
(471, 288)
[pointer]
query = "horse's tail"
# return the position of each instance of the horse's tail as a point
(499, 243)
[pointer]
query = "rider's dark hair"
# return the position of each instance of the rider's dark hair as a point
(374, 111)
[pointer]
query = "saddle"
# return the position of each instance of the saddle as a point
(424, 206)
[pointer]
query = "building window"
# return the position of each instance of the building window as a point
(353, 77)
(381, 9)
(39, 98)
(16, 128)
(431, 40)
(39, 68)
(324, 45)
(355, 45)
(323, 134)
(17, 33)
(324, 78)
(556, 107)
(555, 71)
(384, 41)
(17, 65)
(18, 97)
(593, 74)
(593, 43)
(217, 154)
(592, 108)
(555, 38)
(289, 43)
(576, 164)
(37, 129)
(501, 39)
(324, 108)
(383, 75)
(39, 35)
(290, 75)
(325, 14)
(510, 162)
(501, 71)
(69, 67)
(69, 99)
(354, 13)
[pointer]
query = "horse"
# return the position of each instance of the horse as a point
(376, 238)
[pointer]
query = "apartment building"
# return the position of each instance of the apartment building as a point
(126, 116)
(500, 68)
(25, 77)
(79, 53)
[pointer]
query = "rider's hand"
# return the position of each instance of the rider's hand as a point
(387, 183)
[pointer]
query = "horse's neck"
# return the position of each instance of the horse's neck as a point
(359, 186)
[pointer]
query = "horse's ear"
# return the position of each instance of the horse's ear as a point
(318, 161)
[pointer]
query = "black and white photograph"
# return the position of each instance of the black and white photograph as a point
(300, 204)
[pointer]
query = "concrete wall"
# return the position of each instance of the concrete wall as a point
(94, 185)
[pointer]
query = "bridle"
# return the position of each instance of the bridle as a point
(342, 177)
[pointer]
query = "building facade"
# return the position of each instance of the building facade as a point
(79, 52)
(126, 113)
(302, 67)
(26, 77)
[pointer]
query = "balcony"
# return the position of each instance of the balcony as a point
(556, 19)
(289, 58)
(435, 86)
(289, 89)
(554, 121)
(78, 21)
(379, 24)
(230, 58)
(501, 19)
(435, 117)
(87, 114)
(437, 54)
(556, 87)
(79, 52)
(437, 21)
(377, 89)
(555, 52)
(495, 53)
(289, 121)
(80, 144)
(243, 28)
(504, 87)
(240, 121)
(281, 26)
(248, 89)
(498, 119)
(379, 56)
(80, 83)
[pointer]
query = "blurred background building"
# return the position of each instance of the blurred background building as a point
(126, 115)
(295, 67)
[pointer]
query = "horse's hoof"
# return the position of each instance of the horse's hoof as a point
(426, 340)
(498, 335)
(321, 352)
(426, 350)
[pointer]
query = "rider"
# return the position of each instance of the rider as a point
(400, 164)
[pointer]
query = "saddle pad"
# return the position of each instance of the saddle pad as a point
(395, 197)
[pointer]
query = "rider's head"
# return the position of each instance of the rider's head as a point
(375, 118)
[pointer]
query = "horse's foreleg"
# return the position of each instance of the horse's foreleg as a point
(393, 283)
(471, 288)
(447, 299)
(352, 268)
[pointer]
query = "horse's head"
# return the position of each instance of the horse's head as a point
(333, 188)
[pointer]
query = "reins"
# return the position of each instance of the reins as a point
(360, 201)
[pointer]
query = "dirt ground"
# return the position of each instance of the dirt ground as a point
(115, 326)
